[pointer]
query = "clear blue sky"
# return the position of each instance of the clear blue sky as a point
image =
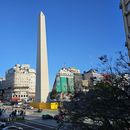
(78, 32)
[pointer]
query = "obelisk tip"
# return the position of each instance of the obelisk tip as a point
(41, 13)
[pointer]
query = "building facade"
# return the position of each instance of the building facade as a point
(92, 77)
(2, 84)
(64, 81)
(20, 83)
(69, 81)
(64, 84)
(78, 77)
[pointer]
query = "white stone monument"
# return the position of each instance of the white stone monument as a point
(42, 78)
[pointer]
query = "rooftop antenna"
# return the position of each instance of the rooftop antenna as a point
(64, 65)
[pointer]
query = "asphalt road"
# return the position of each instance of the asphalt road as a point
(28, 125)
(33, 120)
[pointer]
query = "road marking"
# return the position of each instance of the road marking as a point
(27, 126)
(38, 123)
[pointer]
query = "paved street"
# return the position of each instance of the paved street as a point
(36, 118)
(29, 125)
(33, 120)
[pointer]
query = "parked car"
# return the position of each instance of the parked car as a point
(2, 124)
(59, 118)
(39, 110)
(56, 117)
(12, 128)
(29, 107)
(17, 106)
(47, 116)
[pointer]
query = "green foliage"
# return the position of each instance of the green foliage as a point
(106, 106)
(53, 94)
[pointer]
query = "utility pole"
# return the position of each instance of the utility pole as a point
(125, 6)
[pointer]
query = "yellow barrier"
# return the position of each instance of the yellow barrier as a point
(52, 106)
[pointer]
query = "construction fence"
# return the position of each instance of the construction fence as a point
(51, 106)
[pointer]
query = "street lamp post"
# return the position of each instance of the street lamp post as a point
(125, 6)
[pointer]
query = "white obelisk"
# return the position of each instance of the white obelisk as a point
(42, 78)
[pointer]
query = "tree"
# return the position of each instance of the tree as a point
(106, 106)
(53, 94)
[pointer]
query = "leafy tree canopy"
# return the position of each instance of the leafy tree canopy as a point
(106, 106)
